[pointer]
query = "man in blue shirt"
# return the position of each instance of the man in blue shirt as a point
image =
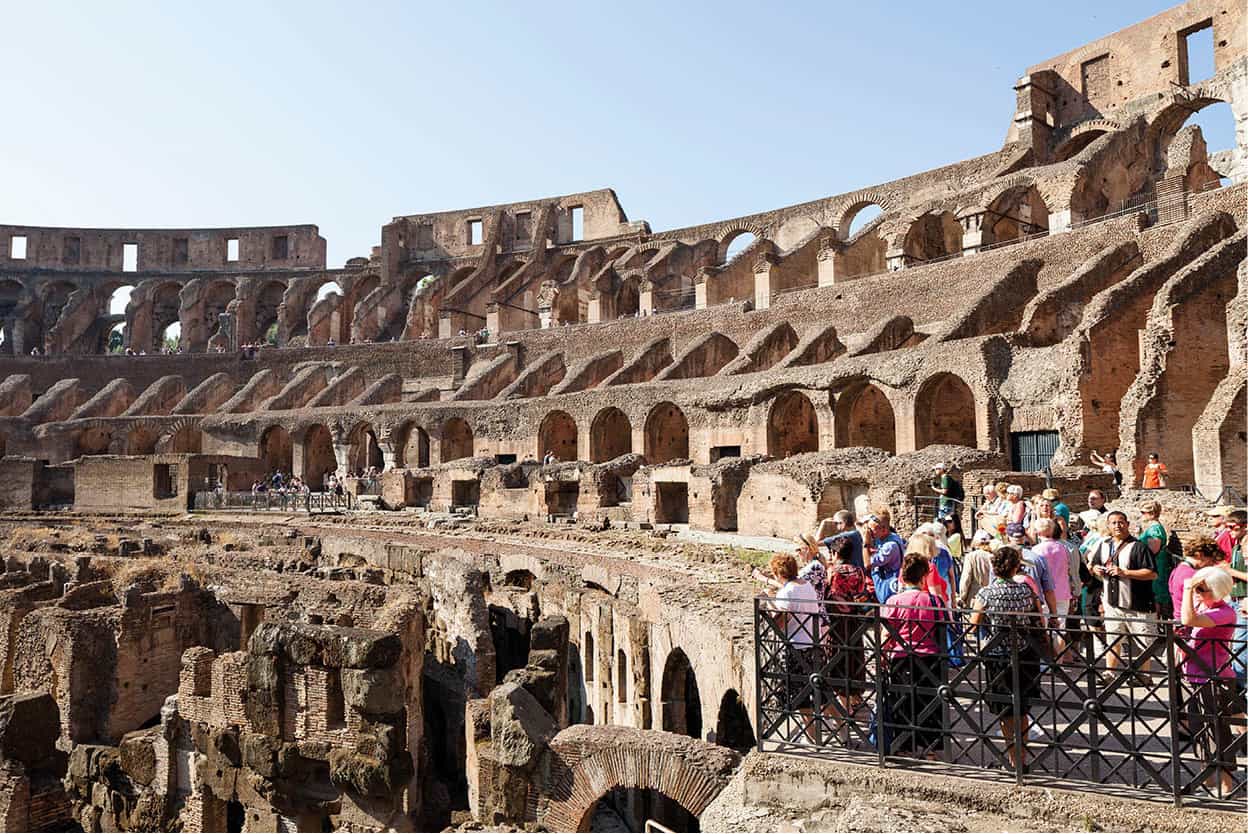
(886, 551)
(844, 521)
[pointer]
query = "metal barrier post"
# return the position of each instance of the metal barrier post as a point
(758, 673)
(1019, 735)
(881, 720)
(1176, 775)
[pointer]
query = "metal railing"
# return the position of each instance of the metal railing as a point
(368, 486)
(927, 507)
(1083, 701)
(287, 502)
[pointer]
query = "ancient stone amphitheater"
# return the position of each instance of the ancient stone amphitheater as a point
(558, 431)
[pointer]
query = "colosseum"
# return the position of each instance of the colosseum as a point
(464, 533)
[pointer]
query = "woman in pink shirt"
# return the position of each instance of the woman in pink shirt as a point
(1205, 553)
(1207, 667)
(915, 665)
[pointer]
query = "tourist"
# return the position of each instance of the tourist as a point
(797, 605)
(914, 670)
(848, 613)
(953, 534)
(1207, 666)
(1154, 536)
(811, 567)
(886, 552)
(1109, 465)
(1154, 473)
(1016, 512)
(1042, 507)
(1001, 503)
(1056, 557)
(1239, 592)
(1204, 553)
(1033, 569)
(976, 568)
(1059, 507)
(948, 488)
(1127, 569)
(1000, 609)
(1096, 509)
(1228, 527)
(843, 524)
(943, 578)
(924, 546)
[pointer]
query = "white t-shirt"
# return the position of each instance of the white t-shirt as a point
(801, 601)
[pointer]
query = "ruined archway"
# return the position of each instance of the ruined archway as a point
(456, 440)
(932, 237)
(557, 435)
(365, 450)
(682, 704)
(276, 450)
(141, 441)
(792, 426)
(610, 435)
(944, 412)
(318, 456)
(1016, 213)
(413, 447)
(667, 434)
(732, 725)
(588, 763)
(864, 417)
(733, 244)
(187, 439)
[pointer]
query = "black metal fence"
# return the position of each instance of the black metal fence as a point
(1090, 702)
(288, 502)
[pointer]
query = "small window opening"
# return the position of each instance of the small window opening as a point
(231, 249)
(1196, 57)
(17, 247)
(335, 708)
(475, 233)
(589, 657)
(166, 480)
(621, 677)
(721, 452)
(129, 257)
(578, 223)
(504, 459)
(281, 247)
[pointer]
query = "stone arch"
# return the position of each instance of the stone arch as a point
(277, 450)
(12, 294)
(792, 425)
(94, 440)
(732, 725)
(1016, 212)
(166, 306)
(610, 435)
(268, 304)
(731, 240)
(182, 438)
(587, 763)
(557, 433)
(141, 440)
(411, 447)
(864, 417)
(944, 412)
(1170, 119)
(933, 235)
(319, 459)
(1079, 139)
(365, 451)
(851, 206)
(667, 434)
(681, 704)
(457, 441)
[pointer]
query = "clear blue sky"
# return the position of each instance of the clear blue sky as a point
(219, 114)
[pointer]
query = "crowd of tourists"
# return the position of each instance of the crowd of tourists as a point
(1034, 586)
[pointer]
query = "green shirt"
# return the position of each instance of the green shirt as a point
(1161, 585)
(1239, 589)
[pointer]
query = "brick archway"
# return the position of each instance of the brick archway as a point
(588, 762)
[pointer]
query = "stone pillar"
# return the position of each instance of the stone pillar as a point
(972, 220)
(593, 312)
(1062, 221)
(444, 326)
(826, 262)
(493, 322)
(645, 299)
(763, 278)
(896, 260)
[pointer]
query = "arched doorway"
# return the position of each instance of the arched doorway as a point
(187, 440)
(277, 451)
(732, 725)
(610, 435)
(456, 440)
(557, 434)
(681, 705)
(864, 417)
(365, 450)
(858, 217)
(318, 456)
(414, 449)
(734, 243)
(629, 809)
(792, 427)
(944, 412)
(667, 434)
(116, 339)
(932, 237)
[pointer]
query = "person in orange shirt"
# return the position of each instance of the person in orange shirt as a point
(1154, 473)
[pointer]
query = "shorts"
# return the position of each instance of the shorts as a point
(1133, 629)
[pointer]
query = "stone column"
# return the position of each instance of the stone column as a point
(972, 220)
(764, 268)
(645, 300)
(493, 322)
(444, 326)
(593, 312)
(826, 261)
(896, 260)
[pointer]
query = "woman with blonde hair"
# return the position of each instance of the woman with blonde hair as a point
(1207, 667)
